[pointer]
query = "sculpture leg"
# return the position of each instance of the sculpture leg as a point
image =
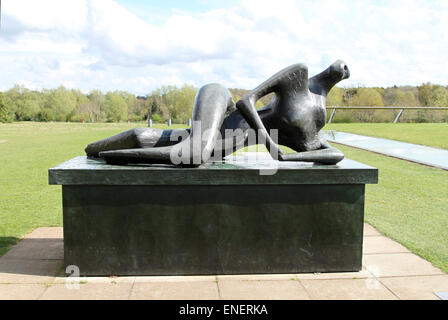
(136, 138)
(212, 103)
(326, 155)
(123, 140)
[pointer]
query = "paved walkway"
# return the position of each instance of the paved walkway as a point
(33, 269)
(408, 151)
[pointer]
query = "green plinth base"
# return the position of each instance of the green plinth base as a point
(222, 218)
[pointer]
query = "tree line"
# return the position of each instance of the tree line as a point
(171, 102)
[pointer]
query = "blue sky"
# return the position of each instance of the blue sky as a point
(152, 10)
(141, 45)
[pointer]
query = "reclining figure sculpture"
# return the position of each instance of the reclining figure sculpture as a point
(297, 112)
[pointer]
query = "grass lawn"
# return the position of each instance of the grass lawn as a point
(409, 203)
(27, 150)
(429, 134)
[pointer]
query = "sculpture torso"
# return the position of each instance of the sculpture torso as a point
(297, 117)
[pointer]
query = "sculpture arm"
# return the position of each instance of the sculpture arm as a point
(247, 108)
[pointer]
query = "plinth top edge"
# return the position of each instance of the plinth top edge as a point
(248, 168)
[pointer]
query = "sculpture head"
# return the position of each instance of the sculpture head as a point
(322, 83)
(339, 71)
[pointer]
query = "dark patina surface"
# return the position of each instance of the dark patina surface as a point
(220, 218)
(297, 112)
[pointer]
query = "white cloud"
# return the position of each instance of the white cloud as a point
(55, 16)
(100, 44)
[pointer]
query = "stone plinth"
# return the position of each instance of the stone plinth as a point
(231, 217)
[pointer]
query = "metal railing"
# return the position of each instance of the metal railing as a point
(383, 108)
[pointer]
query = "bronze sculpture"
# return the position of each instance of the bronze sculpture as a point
(297, 111)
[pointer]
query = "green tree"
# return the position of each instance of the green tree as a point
(439, 96)
(155, 106)
(425, 94)
(116, 107)
(62, 102)
(348, 97)
(87, 111)
(4, 115)
(180, 102)
(22, 103)
(45, 115)
(335, 97)
(81, 99)
(151, 107)
(13, 99)
(136, 107)
(400, 97)
(28, 109)
(431, 96)
(10, 98)
(366, 97)
(98, 99)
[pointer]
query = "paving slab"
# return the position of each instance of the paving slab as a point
(264, 277)
(175, 279)
(380, 244)
(417, 288)
(46, 233)
(84, 280)
(370, 231)
(197, 290)
(399, 265)
(363, 274)
(347, 289)
(37, 249)
(33, 269)
(21, 291)
(262, 290)
(29, 271)
(88, 291)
